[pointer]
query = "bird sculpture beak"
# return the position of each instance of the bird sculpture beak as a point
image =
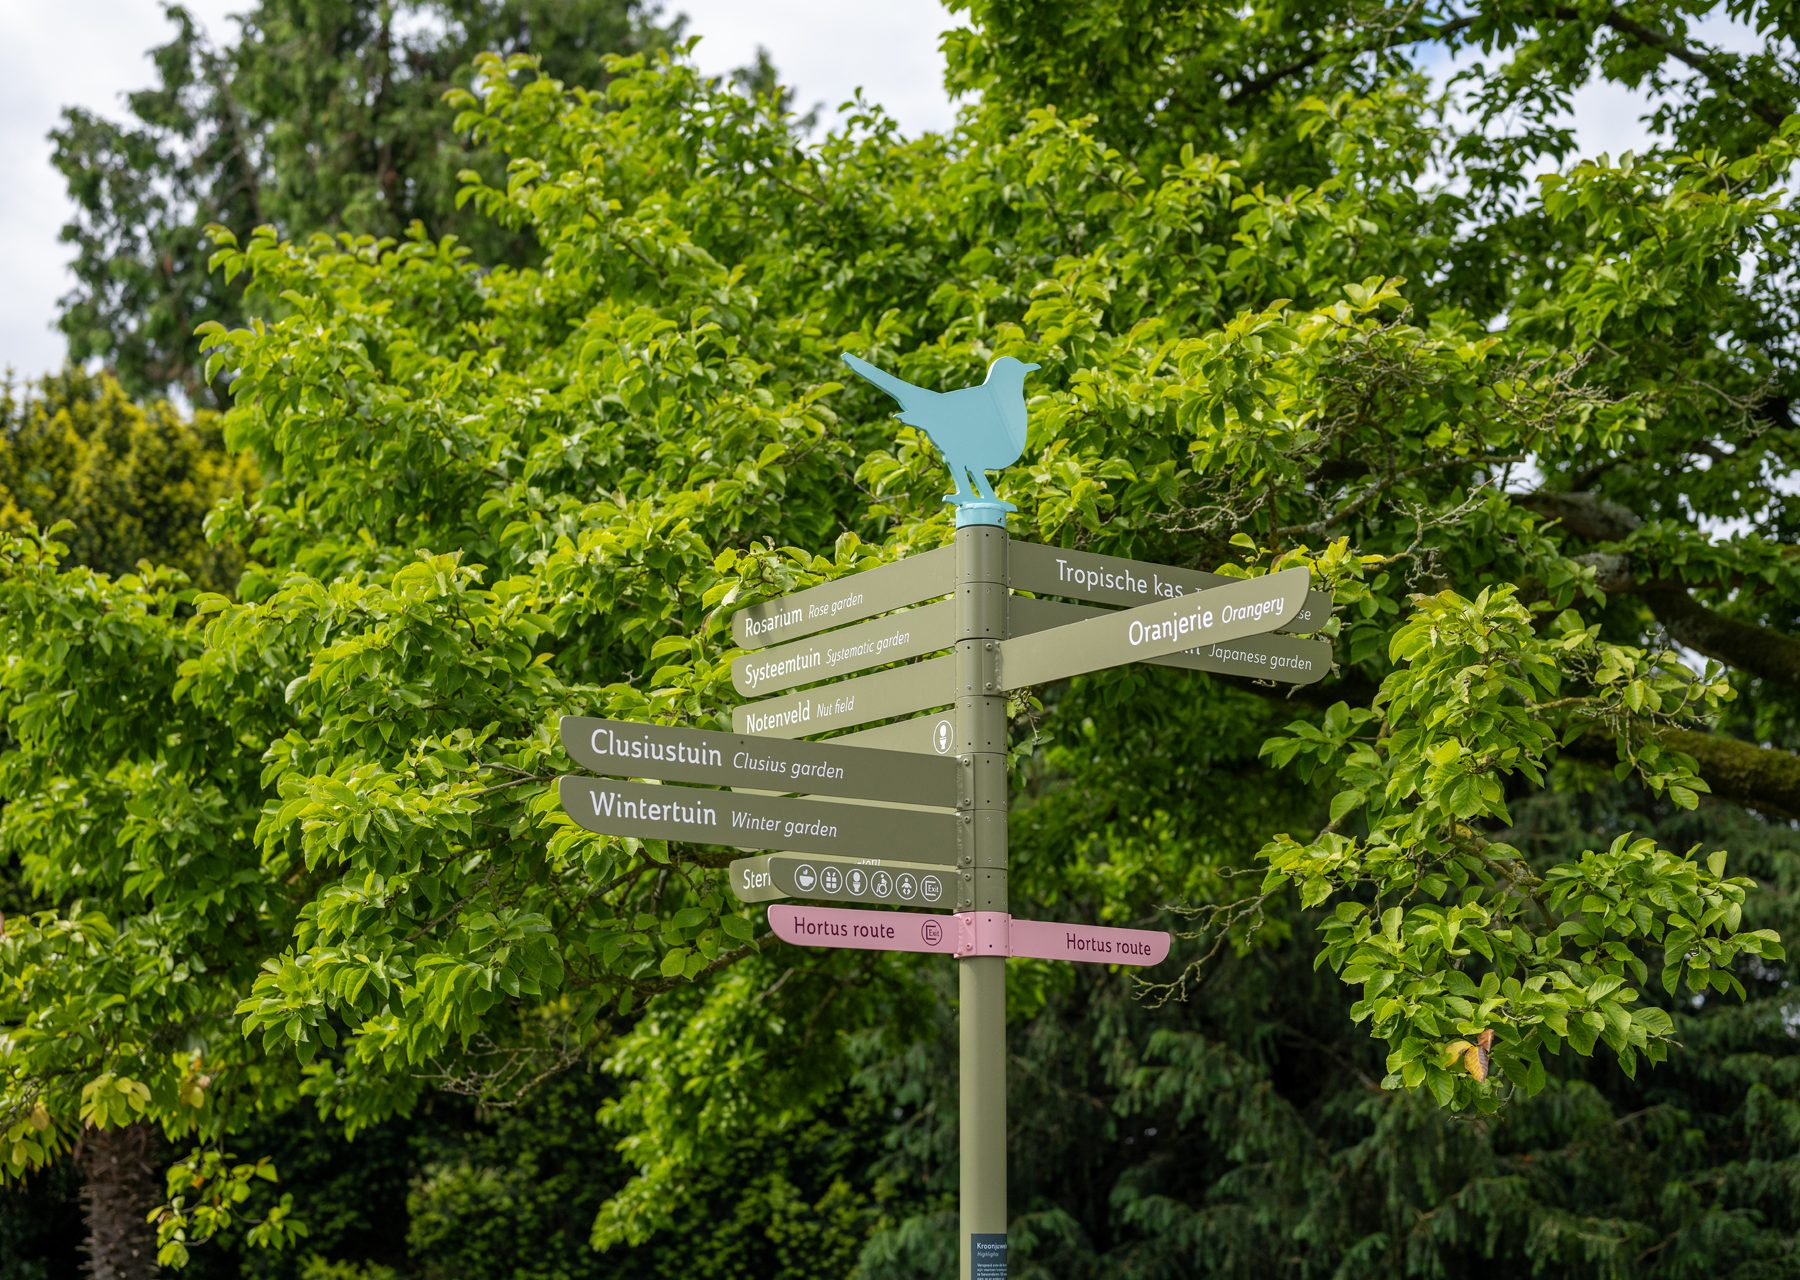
(1029, 367)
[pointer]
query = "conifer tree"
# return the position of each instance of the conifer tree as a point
(134, 481)
(318, 117)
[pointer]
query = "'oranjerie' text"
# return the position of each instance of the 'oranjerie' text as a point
(1201, 619)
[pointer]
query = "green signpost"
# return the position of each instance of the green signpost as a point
(881, 695)
(832, 604)
(893, 638)
(1243, 608)
(621, 749)
(919, 885)
(921, 817)
(1281, 659)
(1084, 575)
(931, 734)
(701, 816)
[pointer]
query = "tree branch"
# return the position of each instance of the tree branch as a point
(1766, 779)
(1761, 651)
(1586, 515)
(1716, 73)
(1269, 79)
(1757, 651)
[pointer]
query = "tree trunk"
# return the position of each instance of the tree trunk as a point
(119, 1187)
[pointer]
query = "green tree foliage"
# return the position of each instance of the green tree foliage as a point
(321, 116)
(135, 481)
(450, 1193)
(1244, 1131)
(1540, 798)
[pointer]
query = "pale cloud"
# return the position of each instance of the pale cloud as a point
(827, 49)
(55, 54)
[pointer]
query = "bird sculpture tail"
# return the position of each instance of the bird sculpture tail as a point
(902, 391)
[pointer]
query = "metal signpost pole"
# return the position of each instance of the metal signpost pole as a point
(981, 731)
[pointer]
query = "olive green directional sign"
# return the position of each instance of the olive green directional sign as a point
(848, 703)
(832, 604)
(1247, 607)
(621, 749)
(759, 822)
(1288, 659)
(771, 876)
(893, 638)
(1083, 575)
(933, 734)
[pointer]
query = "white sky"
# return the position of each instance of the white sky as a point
(89, 53)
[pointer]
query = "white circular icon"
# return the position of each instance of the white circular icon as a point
(856, 881)
(932, 888)
(906, 885)
(943, 736)
(831, 877)
(883, 884)
(805, 876)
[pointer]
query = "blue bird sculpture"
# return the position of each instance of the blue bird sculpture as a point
(977, 429)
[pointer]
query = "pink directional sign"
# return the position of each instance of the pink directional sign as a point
(863, 930)
(1096, 944)
(970, 933)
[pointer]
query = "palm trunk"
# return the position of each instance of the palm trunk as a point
(118, 1188)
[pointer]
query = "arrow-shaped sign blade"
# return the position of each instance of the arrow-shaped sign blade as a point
(843, 652)
(898, 691)
(1283, 658)
(730, 818)
(1087, 575)
(850, 599)
(770, 876)
(1245, 608)
(863, 930)
(625, 749)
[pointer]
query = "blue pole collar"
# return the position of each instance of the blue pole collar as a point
(990, 513)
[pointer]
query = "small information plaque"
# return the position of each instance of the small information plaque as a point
(987, 1256)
